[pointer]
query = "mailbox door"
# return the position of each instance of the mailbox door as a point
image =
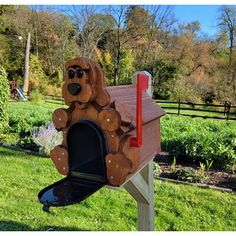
(87, 149)
(68, 191)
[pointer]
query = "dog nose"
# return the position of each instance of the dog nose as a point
(74, 88)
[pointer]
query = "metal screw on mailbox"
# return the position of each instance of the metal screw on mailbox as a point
(109, 161)
(59, 159)
(108, 120)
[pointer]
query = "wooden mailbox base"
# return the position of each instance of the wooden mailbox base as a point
(140, 187)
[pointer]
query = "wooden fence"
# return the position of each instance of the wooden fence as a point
(225, 111)
(54, 99)
(211, 111)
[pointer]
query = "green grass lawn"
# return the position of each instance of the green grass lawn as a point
(177, 207)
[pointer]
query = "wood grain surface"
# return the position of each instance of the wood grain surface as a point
(114, 110)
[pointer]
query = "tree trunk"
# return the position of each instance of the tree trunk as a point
(26, 70)
(117, 65)
(62, 57)
(37, 43)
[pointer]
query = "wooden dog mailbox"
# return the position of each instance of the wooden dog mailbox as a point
(109, 133)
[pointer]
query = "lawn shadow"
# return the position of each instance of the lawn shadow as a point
(9, 225)
(8, 150)
(228, 182)
(12, 151)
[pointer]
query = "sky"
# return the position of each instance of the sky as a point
(205, 14)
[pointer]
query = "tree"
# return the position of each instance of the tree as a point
(89, 26)
(136, 23)
(11, 47)
(138, 29)
(227, 23)
(4, 97)
(126, 66)
(118, 37)
(26, 66)
(153, 25)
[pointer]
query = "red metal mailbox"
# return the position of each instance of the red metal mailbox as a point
(109, 133)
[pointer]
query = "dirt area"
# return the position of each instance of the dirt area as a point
(215, 177)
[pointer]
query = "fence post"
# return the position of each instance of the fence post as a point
(179, 108)
(228, 111)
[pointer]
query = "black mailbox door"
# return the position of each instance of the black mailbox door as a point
(87, 148)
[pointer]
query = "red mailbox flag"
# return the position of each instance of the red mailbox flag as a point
(142, 84)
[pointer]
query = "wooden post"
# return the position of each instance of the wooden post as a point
(228, 111)
(26, 70)
(140, 187)
(225, 108)
(179, 108)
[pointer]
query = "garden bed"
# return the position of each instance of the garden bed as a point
(215, 177)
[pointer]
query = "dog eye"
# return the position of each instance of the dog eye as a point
(70, 74)
(79, 73)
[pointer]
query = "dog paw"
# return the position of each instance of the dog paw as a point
(61, 118)
(109, 119)
(118, 168)
(59, 156)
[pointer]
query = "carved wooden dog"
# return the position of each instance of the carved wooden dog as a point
(113, 109)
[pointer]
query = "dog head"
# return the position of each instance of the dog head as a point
(84, 83)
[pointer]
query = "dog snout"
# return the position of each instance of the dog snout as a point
(74, 88)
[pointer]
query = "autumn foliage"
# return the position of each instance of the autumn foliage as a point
(185, 63)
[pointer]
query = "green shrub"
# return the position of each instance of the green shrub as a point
(108, 64)
(197, 140)
(156, 168)
(36, 97)
(188, 175)
(161, 93)
(161, 71)
(37, 76)
(4, 97)
(28, 143)
(9, 139)
(23, 117)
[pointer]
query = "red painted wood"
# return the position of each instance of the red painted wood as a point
(142, 84)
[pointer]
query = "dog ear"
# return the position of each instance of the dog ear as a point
(102, 98)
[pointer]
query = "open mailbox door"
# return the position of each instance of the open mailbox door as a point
(87, 148)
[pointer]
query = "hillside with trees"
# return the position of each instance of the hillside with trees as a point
(184, 63)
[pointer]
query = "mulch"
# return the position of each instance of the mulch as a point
(215, 177)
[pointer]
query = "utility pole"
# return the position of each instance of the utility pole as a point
(26, 69)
